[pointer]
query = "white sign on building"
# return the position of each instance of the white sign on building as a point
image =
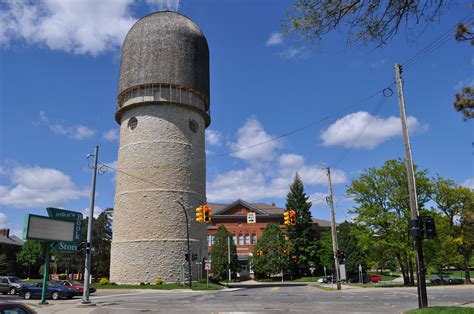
(251, 218)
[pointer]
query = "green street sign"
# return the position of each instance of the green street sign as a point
(72, 216)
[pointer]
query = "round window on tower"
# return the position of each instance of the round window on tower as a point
(193, 125)
(132, 123)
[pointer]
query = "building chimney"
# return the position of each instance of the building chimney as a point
(5, 233)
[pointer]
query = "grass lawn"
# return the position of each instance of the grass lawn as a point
(170, 286)
(443, 309)
(306, 279)
(324, 288)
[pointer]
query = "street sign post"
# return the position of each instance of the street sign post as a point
(49, 230)
(72, 216)
(207, 267)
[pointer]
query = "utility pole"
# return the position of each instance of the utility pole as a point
(333, 231)
(415, 222)
(87, 271)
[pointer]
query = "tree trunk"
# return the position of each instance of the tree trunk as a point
(404, 274)
(466, 269)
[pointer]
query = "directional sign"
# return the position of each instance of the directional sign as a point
(251, 218)
(72, 216)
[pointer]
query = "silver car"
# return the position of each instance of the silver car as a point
(10, 284)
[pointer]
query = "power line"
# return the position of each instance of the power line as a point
(435, 44)
(382, 91)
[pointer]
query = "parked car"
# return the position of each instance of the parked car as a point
(365, 278)
(15, 308)
(445, 279)
(53, 290)
(11, 285)
(76, 285)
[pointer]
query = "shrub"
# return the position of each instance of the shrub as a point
(104, 281)
(112, 283)
(159, 281)
(62, 277)
(142, 283)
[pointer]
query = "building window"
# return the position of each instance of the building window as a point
(193, 126)
(132, 123)
(254, 239)
(210, 239)
(247, 239)
(234, 238)
(241, 239)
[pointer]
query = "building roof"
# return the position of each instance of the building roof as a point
(262, 208)
(11, 240)
(165, 47)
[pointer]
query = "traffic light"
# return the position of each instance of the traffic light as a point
(259, 253)
(292, 217)
(199, 214)
(286, 251)
(286, 217)
(341, 256)
(428, 227)
(207, 214)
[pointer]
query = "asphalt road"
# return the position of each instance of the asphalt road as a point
(265, 298)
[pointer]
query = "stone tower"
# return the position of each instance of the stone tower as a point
(163, 111)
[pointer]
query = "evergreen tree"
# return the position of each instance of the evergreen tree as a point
(302, 235)
(270, 255)
(219, 255)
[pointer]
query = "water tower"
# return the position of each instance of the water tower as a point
(163, 111)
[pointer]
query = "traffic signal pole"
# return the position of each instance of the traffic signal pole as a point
(187, 241)
(333, 231)
(420, 266)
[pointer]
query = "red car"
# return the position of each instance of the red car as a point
(374, 278)
(76, 285)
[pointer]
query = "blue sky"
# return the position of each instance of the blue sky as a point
(58, 85)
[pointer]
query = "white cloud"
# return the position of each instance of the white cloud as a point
(97, 211)
(276, 38)
(111, 135)
(213, 137)
(78, 132)
(292, 53)
(3, 220)
(35, 187)
(77, 26)
(258, 182)
(345, 131)
(253, 133)
(469, 183)
(161, 5)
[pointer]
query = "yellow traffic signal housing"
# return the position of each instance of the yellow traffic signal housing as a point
(286, 217)
(199, 214)
(259, 253)
(292, 217)
(207, 213)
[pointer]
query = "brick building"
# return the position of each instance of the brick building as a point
(234, 217)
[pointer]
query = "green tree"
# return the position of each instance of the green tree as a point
(464, 100)
(302, 235)
(441, 252)
(348, 241)
(219, 254)
(326, 255)
(457, 203)
(273, 245)
(4, 265)
(101, 240)
(31, 255)
(383, 206)
(364, 22)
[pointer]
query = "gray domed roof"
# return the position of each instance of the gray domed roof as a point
(165, 47)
